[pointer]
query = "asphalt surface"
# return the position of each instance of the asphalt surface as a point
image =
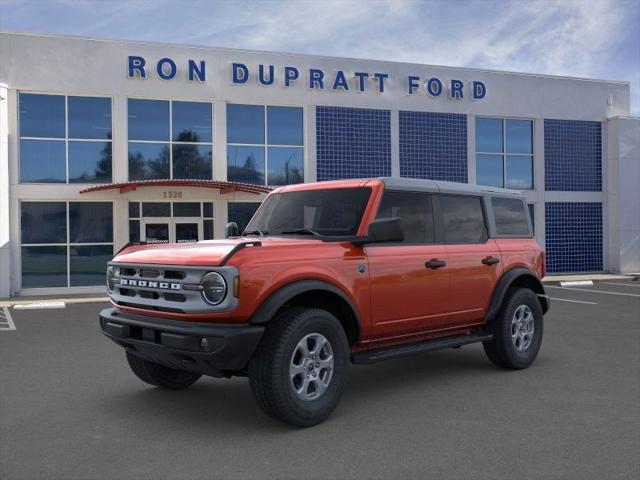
(71, 409)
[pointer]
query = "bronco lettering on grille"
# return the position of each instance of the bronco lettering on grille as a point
(129, 282)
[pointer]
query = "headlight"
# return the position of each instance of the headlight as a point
(214, 288)
(111, 273)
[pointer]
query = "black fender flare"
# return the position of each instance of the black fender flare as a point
(507, 280)
(276, 300)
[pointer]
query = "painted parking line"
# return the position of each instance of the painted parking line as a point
(6, 322)
(594, 291)
(622, 284)
(572, 301)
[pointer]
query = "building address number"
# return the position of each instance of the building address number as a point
(172, 194)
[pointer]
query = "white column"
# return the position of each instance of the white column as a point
(5, 243)
(220, 142)
(395, 143)
(311, 163)
(120, 155)
(471, 149)
(538, 180)
(623, 194)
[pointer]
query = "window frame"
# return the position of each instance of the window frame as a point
(488, 226)
(433, 200)
(170, 142)
(504, 154)
(66, 139)
(494, 227)
(67, 244)
(266, 145)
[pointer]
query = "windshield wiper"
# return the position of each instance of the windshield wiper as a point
(301, 231)
(262, 233)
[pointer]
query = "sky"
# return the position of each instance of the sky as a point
(579, 38)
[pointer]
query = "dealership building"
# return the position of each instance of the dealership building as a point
(103, 142)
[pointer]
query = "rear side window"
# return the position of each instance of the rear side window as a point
(414, 209)
(463, 219)
(510, 216)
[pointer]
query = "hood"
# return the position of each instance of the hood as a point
(206, 253)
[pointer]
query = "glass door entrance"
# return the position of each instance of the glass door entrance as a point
(170, 230)
(156, 231)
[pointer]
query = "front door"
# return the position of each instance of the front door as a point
(169, 230)
(156, 230)
(409, 280)
(187, 230)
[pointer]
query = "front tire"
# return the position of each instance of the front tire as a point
(517, 330)
(159, 375)
(297, 374)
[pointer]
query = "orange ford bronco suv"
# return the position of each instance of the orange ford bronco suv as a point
(328, 274)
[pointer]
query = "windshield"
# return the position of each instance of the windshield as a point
(326, 212)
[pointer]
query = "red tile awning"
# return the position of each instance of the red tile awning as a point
(224, 187)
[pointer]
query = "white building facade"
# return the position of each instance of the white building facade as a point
(106, 142)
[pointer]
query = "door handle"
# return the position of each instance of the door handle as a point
(490, 260)
(435, 263)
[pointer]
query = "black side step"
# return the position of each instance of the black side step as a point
(387, 353)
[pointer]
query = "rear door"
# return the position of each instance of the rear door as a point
(474, 258)
(409, 280)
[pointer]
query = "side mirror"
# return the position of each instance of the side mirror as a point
(385, 230)
(231, 230)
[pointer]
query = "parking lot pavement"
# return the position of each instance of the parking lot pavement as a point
(70, 408)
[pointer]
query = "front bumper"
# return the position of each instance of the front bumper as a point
(180, 345)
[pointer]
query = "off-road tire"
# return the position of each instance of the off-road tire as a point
(501, 349)
(159, 375)
(269, 374)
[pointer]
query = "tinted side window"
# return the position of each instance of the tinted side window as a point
(463, 219)
(415, 211)
(510, 215)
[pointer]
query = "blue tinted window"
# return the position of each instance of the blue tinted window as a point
(148, 161)
(489, 170)
(241, 213)
(519, 136)
(44, 267)
(285, 165)
(191, 122)
(519, 172)
(245, 124)
(88, 264)
(207, 210)
(89, 117)
(207, 230)
(148, 120)
(245, 164)
(156, 209)
(89, 162)
(42, 161)
(489, 135)
(284, 126)
(90, 222)
(43, 222)
(134, 230)
(192, 161)
(41, 115)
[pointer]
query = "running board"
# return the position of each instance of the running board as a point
(387, 353)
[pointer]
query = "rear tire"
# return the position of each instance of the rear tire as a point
(298, 371)
(159, 375)
(517, 330)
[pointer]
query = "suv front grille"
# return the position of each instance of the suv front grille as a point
(161, 288)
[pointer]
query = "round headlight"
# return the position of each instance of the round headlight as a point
(111, 273)
(214, 288)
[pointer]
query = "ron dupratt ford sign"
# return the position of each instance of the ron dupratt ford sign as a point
(313, 78)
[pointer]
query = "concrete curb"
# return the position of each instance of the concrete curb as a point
(70, 301)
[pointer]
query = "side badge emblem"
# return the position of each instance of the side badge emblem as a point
(362, 268)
